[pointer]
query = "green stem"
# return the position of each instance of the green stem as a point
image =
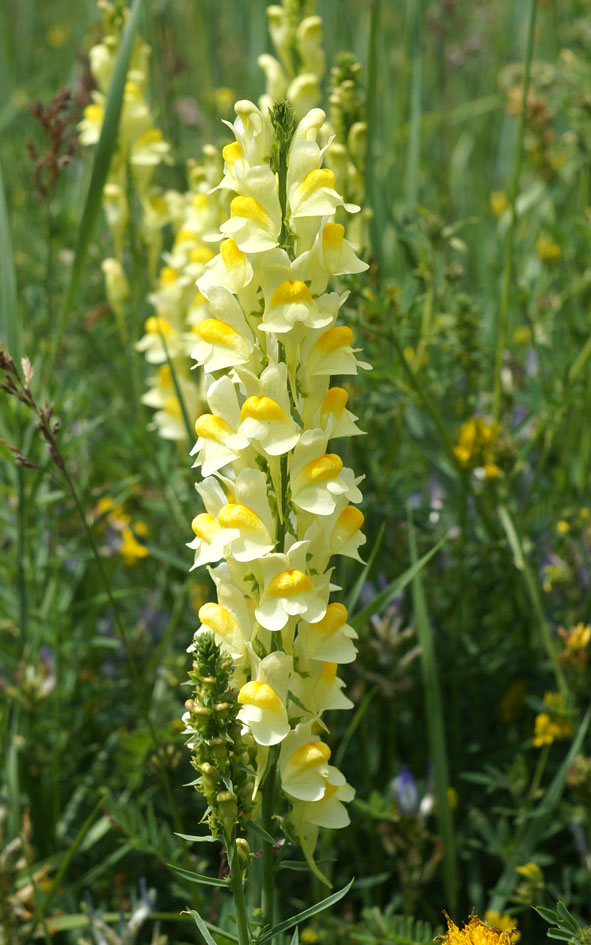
(534, 595)
(509, 241)
(238, 893)
(267, 871)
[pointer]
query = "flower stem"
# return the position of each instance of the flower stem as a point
(509, 242)
(268, 807)
(238, 893)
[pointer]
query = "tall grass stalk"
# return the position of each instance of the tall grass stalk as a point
(10, 326)
(435, 729)
(413, 158)
(503, 313)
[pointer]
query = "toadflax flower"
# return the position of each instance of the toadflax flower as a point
(279, 500)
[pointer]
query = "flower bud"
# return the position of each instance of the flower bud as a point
(227, 805)
(243, 851)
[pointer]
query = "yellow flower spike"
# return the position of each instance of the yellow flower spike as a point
(271, 348)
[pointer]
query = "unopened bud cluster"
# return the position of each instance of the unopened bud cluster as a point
(220, 754)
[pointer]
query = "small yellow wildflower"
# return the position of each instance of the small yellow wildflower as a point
(115, 516)
(548, 251)
(531, 871)
(476, 446)
(131, 549)
(309, 936)
(476, 932)
(550, 725)
(498, 202)
(505, 923)
(579, 637)
(562, 527)
(576, 641)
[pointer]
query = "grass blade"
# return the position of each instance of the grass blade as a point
(100, 170)
(305, 914)
(382, 599)
(436, 733)
(358, 586)
(10, 326)
(201, 878)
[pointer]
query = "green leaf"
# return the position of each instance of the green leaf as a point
(100, 170)
(306, 914)
(382, 599)
(206, 838)
(10, 326)
(201, 878)
(568, 921)
(549, 915)
(201, 925)
(264, 834)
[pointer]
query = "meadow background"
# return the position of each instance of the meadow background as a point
(468, 745)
